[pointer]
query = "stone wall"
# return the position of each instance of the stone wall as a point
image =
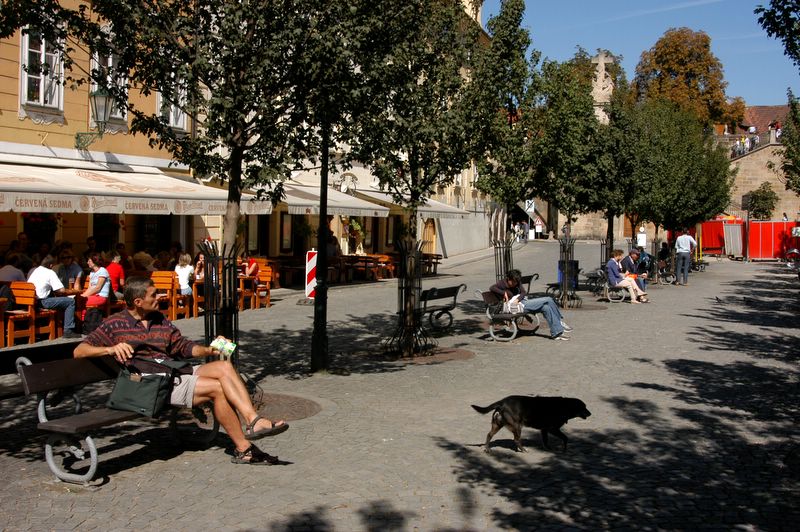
(754, 170)
(458, 236)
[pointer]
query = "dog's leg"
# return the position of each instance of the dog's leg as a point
(545, 443)
(497, 424)
(556, 431)
(517, 430)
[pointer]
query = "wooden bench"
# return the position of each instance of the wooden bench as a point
(504, 326)
(437, 304)
(71, 436)
(613, 294)
(11, 384)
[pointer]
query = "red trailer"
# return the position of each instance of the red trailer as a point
(769, 240)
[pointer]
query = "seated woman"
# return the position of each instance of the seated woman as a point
(99, 286)
(618, 280)
(185, 272)
(511, 286)
(199, 267)
(249, 265)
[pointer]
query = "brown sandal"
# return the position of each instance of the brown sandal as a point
(251, 433)
(254, 456)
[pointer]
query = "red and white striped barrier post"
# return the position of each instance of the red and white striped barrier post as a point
(311, 273)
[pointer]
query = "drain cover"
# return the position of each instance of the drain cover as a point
(288, 407)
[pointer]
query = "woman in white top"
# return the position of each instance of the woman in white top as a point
(99, 286)
(185, 271)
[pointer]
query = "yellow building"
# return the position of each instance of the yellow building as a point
(59, 180)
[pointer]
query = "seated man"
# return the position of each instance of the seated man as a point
(141, 330)
(51, 294)
(631, 265)
(510, 286)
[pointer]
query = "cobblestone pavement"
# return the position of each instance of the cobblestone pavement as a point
(694, 421)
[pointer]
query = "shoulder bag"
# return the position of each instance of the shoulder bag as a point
(144, 394)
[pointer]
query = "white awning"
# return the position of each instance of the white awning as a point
(46, 189)
(430, 209)
(305, 200)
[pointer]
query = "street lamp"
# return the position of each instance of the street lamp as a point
(101, 103)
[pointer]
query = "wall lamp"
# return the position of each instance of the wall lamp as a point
(101, 104)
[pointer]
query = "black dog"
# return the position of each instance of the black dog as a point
(548, 414)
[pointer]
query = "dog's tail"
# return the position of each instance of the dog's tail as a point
(487, 409)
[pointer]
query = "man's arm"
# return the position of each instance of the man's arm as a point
(199, 351)
(121, 351)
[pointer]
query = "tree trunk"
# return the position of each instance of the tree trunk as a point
(230, 222)
(609, 236)
(497, 223)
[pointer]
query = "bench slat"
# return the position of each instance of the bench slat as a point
(57, 374)
(87, 421)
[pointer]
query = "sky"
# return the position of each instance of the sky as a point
(754, 64)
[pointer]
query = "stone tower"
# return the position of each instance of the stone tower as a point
(602, 86)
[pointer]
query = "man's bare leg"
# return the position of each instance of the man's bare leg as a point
(208, 389)
(235, 391)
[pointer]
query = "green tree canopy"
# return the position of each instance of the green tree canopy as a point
(566, 148)
(682, 177)
(681, 68)
(762, 202)
(790, 151)
(782, 21)
(498, 135)
(418, 139)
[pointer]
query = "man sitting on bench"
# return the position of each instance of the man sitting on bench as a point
(141, 330)
(511, 286)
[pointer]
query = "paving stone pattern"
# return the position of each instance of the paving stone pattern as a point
(693, 400)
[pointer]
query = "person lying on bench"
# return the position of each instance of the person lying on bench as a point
(142, 330)
(511, 286)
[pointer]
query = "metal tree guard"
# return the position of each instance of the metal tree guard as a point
(220, 286)
(569, 274)
(409, 324)
(605, 252)
(503, 256)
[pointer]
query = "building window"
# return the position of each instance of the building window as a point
(106, 66)
(172, 112)
(42, 70)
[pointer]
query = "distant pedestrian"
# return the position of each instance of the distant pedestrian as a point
(539, 226)
(785, 218)
(684, 246)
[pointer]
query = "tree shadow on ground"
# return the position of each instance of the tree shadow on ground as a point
(768, 312)
(719, 457)
(677, 470)
(355, 345)
(375, 516)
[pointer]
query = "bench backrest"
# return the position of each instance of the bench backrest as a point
(36, 353)
(48, 376)
(490, 298)
(441, 293)
(526, 281)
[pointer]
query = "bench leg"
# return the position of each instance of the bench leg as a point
(440, 320)
(66, 445)
(503, 331)
(204, 421)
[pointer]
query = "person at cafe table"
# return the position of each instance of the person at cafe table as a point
(52, 294)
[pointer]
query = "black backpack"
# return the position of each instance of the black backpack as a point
(92, 320)
(5, 291)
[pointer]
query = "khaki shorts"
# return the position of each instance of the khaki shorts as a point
(183, 390)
